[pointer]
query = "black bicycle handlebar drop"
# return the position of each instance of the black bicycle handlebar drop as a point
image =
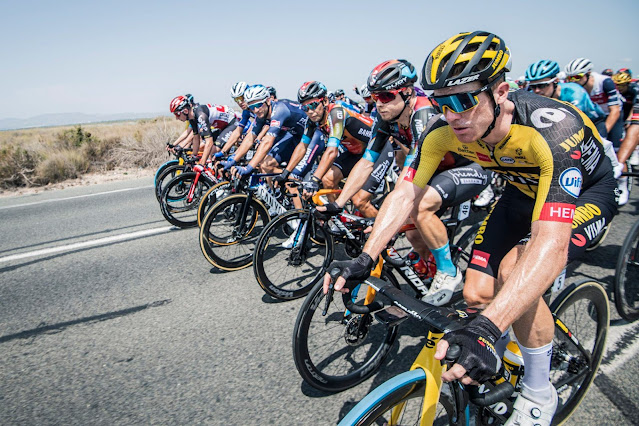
(632, 174)
(493, 396)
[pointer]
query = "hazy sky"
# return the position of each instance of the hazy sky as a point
(134, 56)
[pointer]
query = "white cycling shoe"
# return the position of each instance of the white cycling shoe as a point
(485, 197)
(443, 288)
(530, 413)
(624, 194)
(290, 241)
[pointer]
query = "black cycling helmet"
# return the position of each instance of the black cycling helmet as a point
(608, 72)
(466, 57)
(311, 90)
(272, 91)
(390, 75)
(339, 92)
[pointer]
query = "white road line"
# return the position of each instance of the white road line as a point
(91, 243)
(76, 196)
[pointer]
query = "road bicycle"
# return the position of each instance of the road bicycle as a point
(232, 225)
(182, 161)
(182, 195)
(418, 396)
(335, 349)
(627, 273)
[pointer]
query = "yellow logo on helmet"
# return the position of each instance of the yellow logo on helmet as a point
(438, 51)
(497, 60)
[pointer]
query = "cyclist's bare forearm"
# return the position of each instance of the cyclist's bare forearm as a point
(183, 137)
(297, 156)
(208, 147)
(195, 144)
(392, 216)
(356, 180)
(629, 143)
(262, 150)
(327, 160)
(613, 116)
(246, 144)
(544, 258)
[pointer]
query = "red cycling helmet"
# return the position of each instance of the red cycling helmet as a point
(179, 103)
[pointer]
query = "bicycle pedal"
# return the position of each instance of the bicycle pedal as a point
(391, 316)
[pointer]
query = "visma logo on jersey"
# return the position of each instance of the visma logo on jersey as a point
(570, 181)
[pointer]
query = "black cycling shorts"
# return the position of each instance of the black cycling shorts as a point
(460, 184)
(346, 160)
(508, 224)
(221, 137)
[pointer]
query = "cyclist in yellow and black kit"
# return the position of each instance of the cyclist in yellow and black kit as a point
(561, 190)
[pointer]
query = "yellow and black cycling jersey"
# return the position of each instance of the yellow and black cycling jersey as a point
(551, 153)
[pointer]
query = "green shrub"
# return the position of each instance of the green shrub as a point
(17, 166)
(73, 138)
(61, 165)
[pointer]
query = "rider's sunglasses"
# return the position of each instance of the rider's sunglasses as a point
(256, 106)
(539, 86)
(575, 78)
(368, 98)
(459, 102)
(311, 106)
(239, 99)
(178, 113)
(385, 97)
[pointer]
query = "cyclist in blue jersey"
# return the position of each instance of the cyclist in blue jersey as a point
(246, 121)
(286, 122)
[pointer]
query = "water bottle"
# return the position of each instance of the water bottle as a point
(432, 267)
(418, 263)
(513, 362)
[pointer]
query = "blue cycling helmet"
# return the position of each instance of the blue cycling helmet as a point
(542, 69)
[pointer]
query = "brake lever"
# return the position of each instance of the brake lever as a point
(328, 298)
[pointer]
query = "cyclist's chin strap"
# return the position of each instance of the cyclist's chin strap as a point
(497, 110)
(406, 100)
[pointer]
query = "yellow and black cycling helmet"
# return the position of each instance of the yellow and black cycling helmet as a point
(464, 58)
(621, 78)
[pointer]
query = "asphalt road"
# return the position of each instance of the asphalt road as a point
(110, 316)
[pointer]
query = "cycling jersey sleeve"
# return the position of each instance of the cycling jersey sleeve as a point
(259, 124)
(336, 118)
(309, 131)
(203, 127)
(279, 115)
(432, 148)
(246, 116)
(611, 90)
(379, 136)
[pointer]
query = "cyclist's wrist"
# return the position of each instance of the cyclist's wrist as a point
(485, 327)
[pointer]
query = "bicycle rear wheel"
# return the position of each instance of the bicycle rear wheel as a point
(290, 256)
(399, 401)
(340, 350)
(627, 276)
(226, 239)
(175, 204)
(583, 310)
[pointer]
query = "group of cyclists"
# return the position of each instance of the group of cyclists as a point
(551, 137)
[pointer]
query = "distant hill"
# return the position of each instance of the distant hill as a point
(63, 119)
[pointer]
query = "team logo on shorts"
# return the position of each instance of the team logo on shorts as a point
(570, 181)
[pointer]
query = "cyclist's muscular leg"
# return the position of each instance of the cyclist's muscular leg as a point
(331, 180)
(362, 200)
(270, 165)
(430, 227)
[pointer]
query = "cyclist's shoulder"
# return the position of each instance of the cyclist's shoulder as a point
(545, 115)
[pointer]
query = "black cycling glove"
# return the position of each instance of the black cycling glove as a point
(282, 177)
(356, 269)
(332, 209)
(477, 342)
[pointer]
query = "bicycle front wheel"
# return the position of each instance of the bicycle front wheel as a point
(578, 345)
(291, 255)
(212, 196)
(164, 176)
(179, 200)
(399, 401)
(229, 231)
(340, 350)
(627, 276)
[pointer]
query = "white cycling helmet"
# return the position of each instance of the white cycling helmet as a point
(238, 89)
(256, 93)
(364, 92)
(578, 66)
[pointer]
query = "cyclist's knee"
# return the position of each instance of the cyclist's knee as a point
(268, 165)
(430, 203)
(479, 288)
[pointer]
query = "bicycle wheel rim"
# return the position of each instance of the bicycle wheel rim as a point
(627, 277)
(288, 272)
(176, 207)
(584, 310)
(216, 193)
(322, 355)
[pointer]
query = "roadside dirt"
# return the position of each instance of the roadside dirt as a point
(85, 180)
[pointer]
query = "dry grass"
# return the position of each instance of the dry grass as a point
(41, 156)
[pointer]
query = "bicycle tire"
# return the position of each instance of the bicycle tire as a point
(464, 244)
(579, 304)
(627, 276)
(165, 176)
(290, 273)
(163, 167)
(323, 356)
(407, 389)
(213, 195)
(221, 243)
(174, 205)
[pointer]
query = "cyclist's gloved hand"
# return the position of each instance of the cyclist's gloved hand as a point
(477, 342)
(228, 163)
(312, 185)
(355, 269)
(331, 209)
(244, 170)
(198, 168)
(218, 154)
(282, 177)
